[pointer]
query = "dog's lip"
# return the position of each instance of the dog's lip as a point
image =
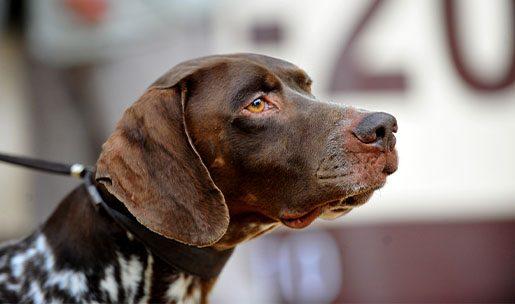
(301, 221)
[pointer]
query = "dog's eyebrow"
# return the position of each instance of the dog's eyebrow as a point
(257, 83)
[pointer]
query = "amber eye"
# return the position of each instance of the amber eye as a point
(258, 105)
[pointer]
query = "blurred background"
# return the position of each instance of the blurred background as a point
(442, 230)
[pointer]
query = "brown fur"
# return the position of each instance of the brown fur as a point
(191, 164)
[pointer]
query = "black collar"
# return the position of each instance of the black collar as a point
(207, 263)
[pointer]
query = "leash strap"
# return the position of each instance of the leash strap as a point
(75, 170)
(207, 263)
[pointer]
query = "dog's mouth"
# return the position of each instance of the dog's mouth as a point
(329, 210)
(298, 222)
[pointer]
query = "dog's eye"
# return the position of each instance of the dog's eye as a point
(258, 105)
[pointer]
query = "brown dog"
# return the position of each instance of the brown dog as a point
(219, 150)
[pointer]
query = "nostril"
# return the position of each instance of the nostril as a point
(380, 132)
(376, 128)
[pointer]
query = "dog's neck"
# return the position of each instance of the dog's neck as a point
(244, 227)
(85, 240)
(206, 263)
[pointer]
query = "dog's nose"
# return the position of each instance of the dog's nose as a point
(377, 129)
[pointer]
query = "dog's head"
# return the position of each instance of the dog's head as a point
(239, 141)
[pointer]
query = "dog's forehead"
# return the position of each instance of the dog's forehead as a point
(277, 66)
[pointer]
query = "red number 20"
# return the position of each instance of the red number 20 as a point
(349, 75)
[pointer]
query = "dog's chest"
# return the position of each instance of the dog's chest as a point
(30, 272)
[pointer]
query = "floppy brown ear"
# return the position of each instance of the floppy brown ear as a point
(150, 164)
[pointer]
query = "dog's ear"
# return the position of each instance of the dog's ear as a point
(151, 165)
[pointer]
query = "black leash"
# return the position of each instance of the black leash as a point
(206, 263)
(75, 170)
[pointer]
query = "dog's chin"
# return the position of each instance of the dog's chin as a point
(328, 211)
(343, 206)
